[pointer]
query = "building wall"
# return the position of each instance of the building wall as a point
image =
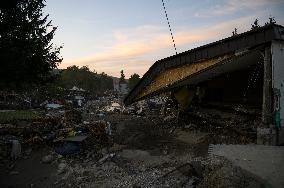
(115, 84)
(123, 88)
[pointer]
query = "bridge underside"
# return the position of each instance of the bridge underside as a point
(223, 71)
(241, 73)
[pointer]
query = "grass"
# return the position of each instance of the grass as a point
(8, 116)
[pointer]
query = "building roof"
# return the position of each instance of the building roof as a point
(240, 42)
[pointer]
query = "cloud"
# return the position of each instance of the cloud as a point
(233, 6)
(136, 49)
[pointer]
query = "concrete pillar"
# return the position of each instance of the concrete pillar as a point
(265, 132)
(267, 88)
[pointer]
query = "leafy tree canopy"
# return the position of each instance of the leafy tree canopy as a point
(84, 78)
(27, 54)
(133, 80)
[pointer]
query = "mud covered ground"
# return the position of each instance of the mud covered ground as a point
(143, 151)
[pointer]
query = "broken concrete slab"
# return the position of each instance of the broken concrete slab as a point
(266, 162)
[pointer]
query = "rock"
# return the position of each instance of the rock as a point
(12, 166)
(102, 160)
(28, 151)
(61, 168)
(86, 160)
(59, 156)
(100, 115)
(16, 149)
(169, 118)
(47, 159)
(190, 126)
(139, 111)
(14, 173)
(104, 151)
(165, 152)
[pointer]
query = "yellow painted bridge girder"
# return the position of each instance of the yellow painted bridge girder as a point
(172, 75)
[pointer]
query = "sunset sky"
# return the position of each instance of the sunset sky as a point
(111, 35)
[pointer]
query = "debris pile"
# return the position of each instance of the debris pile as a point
(104, 143)
(59, 128)
(219, 172)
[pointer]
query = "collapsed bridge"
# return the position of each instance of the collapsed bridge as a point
(245, 69)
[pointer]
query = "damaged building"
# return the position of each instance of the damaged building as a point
(239, 76)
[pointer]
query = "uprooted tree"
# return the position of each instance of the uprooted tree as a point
(26, 53)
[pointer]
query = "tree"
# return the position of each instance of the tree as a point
(84, 78)
(133, 80)
(255, 24)
(122, 77)
(106, 82)
(80, 77)
(271, 21)
(235, 32)
(26, 52)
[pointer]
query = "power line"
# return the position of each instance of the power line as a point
(169, 26)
